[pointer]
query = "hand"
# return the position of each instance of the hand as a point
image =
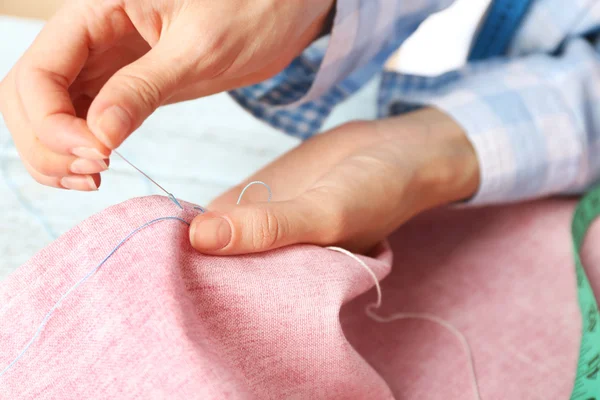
(351, 187)
(98, 69)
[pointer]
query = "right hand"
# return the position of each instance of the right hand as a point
(349, 187)
(98, 69)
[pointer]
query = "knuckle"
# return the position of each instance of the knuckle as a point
(334, 215)
(216, 57)
(146, 90)
(267, 229)
(105, 20)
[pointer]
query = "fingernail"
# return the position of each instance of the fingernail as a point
(210, 234)
(84, 166)
(82, 182)
(112, 126)
(89, 153)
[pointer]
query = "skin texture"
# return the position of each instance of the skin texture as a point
(98, 69)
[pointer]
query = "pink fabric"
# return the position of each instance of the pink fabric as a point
(161, 321)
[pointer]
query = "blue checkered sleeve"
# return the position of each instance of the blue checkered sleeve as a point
(365, 33)
(534, 121)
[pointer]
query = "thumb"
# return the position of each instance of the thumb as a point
(132, 94)
(255, 228)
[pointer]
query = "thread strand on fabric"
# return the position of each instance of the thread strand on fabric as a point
(419, 316)
(112, 252)
(369, 309)
(79, 283)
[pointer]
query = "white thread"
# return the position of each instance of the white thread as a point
(255, 183)
(421, 316)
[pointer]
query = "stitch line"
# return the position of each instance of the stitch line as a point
(82, 281)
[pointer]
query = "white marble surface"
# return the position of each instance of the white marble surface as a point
(195, 149)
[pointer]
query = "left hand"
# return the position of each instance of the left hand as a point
(98, 69)
(351, 187)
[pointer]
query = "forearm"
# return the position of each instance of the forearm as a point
(533, 121)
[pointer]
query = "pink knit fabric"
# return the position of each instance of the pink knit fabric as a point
(160, 321)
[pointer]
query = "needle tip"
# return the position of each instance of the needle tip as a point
(174, 200)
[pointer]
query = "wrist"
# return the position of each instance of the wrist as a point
(445, 165)
(450, 171)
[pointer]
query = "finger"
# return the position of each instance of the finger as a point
(267, 226)
(99, 69)
(135, 92)
(52, 64)
(85, 183)
(102, 65)
(51, 181)
(37, 156)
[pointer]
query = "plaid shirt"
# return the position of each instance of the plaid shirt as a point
(531, 109)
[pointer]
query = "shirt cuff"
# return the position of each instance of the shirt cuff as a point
(528, 142)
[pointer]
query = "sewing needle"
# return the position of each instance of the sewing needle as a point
(169, 195)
